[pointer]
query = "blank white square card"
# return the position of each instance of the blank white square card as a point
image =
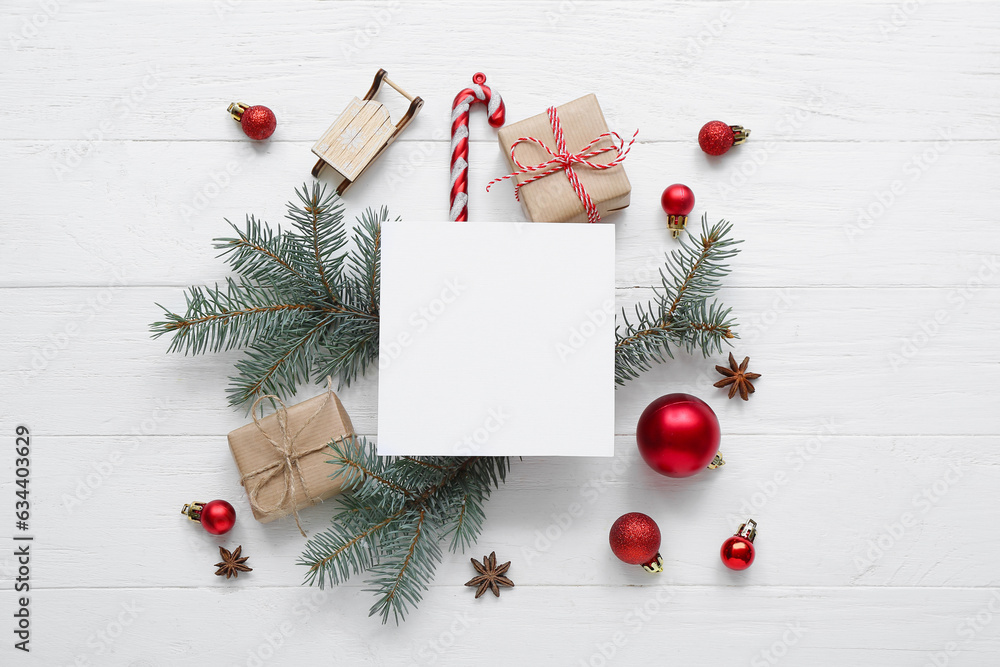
(497, 339)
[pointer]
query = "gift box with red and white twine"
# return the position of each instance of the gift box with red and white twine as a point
(566, 164)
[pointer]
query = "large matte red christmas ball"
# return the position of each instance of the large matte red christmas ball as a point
(635, 538)
(737, 553)
(218, 517)
(678, 435)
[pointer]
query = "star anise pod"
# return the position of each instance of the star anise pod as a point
(737, 378)
(232, 564)
(491, 576)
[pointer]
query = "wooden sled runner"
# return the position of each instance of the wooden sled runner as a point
(361, 133)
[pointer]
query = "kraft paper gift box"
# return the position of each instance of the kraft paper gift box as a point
(283, 458)
(552, 199)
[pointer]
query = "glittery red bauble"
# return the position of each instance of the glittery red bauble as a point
(635, 538)
(258, 122)
(218, 517)
(715, 138)
(737, 553)
(678, 435)
(677, 200)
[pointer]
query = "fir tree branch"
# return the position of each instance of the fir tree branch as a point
(317, 567)
(313, 209)
(272, 369)
(296, 307)
(261, 254)
(426, 464)
(390, 599)
(679, 315)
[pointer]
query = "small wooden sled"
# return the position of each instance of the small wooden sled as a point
(361, 133)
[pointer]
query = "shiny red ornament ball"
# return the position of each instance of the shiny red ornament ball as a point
(677, 199)
(635, 539)
(738, 552)
(218, 517)
(716, 137)
(678, 435)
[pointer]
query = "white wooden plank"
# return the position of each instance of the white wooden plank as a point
(576, 626)
(919, 522)
(142, 213)
(168, 75)
(878, 361)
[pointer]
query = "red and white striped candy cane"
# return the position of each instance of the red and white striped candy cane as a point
(478, 92)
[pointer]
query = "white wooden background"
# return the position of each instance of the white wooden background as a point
(877, 337)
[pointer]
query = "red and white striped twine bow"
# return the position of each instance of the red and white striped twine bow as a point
(563, 160)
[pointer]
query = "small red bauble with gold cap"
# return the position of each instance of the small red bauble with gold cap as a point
(216, 517)
(738, 551)
(716, 137)
(677, 202)
(258, 122)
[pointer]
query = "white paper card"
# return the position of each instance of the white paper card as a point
(497, 339)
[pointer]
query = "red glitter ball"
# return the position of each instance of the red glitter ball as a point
(258, 122)
(716, 137)
(635, 538)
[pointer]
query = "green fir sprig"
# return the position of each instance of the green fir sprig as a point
(680, 315)
(303, 306)
(394, 521)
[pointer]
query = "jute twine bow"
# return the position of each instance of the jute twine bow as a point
(563, 160)
(287, 464)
